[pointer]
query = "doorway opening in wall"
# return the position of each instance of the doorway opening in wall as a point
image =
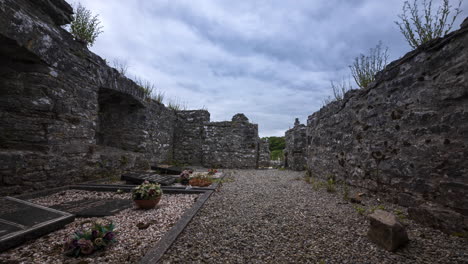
(116, 115)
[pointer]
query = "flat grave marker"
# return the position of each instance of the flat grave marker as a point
(94, 207)
(140, 177)
(21, 221)
(168, 169)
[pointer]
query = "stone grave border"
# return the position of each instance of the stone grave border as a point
(154, 254)
(19, 237)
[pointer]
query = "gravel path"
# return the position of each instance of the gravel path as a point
(271, 216)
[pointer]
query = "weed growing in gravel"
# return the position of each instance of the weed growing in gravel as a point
(380, 207)
(307, 177)
(316, 185)
(345, 191)
(399, 214)
(460, 234)
(330, 185)
(360, 210)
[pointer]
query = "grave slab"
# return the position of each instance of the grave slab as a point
(95, 207)
(21, 221)
(168, 169)
(140, 177)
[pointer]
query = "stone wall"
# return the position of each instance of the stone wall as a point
(66, 116)
(406, 135)
(295, 147)
(264, 153)
(188, 136)
(231, 144)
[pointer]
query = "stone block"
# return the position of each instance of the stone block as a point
(386, 231)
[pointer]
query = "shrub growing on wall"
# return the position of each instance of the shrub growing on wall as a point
(365, 67)
(85, 27)
(419, 29)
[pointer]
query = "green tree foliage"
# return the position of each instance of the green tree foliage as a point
(85, 27)
(419, 29)
(277, 144)
(365, 67)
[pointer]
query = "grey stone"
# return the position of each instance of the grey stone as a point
(438, 217)
(386, 231)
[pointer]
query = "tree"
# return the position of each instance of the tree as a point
(419, 29)
(365, 67)
(277, 144)
(85, 27)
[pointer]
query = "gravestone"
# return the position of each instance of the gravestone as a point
(21, 221)
(140, 177)
(94, 207)
(168, 169)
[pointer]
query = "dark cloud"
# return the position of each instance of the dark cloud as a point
(272, 60)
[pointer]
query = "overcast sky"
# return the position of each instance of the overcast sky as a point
(272, 60)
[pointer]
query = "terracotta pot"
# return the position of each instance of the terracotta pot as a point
(200, 182)
(147, 204)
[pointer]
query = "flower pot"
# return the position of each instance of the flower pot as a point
(200, 182)
(147, 204)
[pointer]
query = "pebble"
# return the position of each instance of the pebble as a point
(272, 216)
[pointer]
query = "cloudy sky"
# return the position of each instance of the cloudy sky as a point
(272, 60)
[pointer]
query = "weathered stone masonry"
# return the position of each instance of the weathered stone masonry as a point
(405, 135)
(295, 149)
(65, 116)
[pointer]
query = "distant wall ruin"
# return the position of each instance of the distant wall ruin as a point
(406, 135)
(295, 147)
(66, 116)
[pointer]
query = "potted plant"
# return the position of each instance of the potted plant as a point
(147, 195)
(185, 176)
(200, 180)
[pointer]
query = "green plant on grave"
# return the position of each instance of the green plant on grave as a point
(85, 27)
(421, 28)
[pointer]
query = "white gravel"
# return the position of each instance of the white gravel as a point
(132, 243)
(271, 216)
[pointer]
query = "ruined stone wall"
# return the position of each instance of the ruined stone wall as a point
(65, 116)
(405, 135)
(188, 136)
(295, 147)
(231, 144)
(263, 153)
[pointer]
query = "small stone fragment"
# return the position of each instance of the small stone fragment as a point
(386, 231)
